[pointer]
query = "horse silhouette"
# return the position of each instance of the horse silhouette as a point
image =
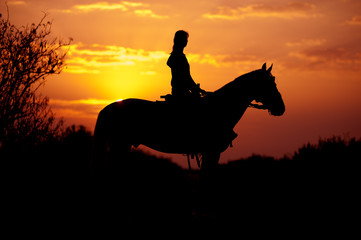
(203, 126)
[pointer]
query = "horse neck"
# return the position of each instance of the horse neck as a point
(233, 99)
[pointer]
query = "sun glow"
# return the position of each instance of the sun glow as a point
(95, 56)
(119, 72)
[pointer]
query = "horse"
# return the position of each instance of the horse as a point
(203, 126)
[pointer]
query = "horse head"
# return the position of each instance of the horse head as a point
(266, 92)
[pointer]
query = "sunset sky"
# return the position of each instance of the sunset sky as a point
(120, 48)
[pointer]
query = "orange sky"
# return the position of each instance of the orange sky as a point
(120, 48)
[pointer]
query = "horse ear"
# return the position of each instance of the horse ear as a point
(264, 67)
(270, 68)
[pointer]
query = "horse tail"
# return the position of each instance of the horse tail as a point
(100, 145)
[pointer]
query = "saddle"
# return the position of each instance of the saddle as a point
(168, 98)
(191, 99)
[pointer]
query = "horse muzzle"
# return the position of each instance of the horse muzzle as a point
(277, 108)
(275, 105)
(277, 111)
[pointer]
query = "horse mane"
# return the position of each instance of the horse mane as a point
(234, 85)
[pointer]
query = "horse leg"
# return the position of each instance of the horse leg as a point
(108, 156)
(109, 193)
(100, 148)
(209, 168)
(119, 153)
(208, 183)
(210, 161)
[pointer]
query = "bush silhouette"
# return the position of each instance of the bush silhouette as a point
(28, 55)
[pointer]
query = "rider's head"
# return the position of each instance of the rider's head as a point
(181, 39)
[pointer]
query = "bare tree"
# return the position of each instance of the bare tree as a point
(27, 56)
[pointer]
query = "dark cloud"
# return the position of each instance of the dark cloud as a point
(326, 57)
(287, 11)
(289, 7)
(356, 20)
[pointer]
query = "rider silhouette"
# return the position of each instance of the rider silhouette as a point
(182, 82)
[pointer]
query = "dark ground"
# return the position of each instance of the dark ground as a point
(50, 188)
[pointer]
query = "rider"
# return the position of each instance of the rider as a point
(183, 85)
(182, 82)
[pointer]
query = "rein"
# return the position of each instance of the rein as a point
(257, 106)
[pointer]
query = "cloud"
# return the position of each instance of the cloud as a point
(80, 108)
(101, 6)
(149, 73)
(148, 13)
(91, 58)
(354, 21)
(210, 59)
(239, 59)
(88, 101)
(306, 42)
(138, 8)
(289, 11)
(326, 58)
(16, 2)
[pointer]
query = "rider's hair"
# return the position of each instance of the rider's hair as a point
(180, 39)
